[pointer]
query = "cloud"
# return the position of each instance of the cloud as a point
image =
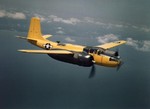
(104, 25)
(16, 15)
(87, 20)
(92, 21)
(141, 28)
(145, 29)
(2, 13)
(68, 39)
(114, 25)
(72, 21)
(59, 28)
(60, 32)
(135, 27)
(139, 45)
(107, 38)
(143, 45)
(13, 15)
(119, 25)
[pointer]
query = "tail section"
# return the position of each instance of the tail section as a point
(34, 32)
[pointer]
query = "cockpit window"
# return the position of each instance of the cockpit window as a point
(100, 52)
(91, 50)
(86, 50)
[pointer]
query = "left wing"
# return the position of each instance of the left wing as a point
(112, 44)
(46, 51)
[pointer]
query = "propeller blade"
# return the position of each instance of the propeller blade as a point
(92, 73)
(119, 65)
(117, 53)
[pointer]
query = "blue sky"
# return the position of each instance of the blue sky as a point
(37, 81)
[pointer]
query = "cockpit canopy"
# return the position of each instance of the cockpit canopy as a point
(100, 51)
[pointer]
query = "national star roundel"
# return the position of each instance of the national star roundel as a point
(48, 46)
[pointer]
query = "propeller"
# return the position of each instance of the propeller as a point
(92, 73)
(119, 65)
(118, 57)
(117, 53)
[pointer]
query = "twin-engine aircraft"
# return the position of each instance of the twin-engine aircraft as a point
(80, 55)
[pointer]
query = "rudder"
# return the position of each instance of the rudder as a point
(34, 32)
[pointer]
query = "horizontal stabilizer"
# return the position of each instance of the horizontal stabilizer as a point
(46, 51)
(47, 36)
(21, 37)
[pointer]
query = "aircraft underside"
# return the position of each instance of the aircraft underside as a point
(71, 59)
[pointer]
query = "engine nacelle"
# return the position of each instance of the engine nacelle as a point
(83, 59)
(110, 53)
(105, 60)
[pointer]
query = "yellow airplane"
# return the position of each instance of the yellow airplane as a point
(80, 55)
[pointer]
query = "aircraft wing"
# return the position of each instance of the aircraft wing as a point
(46, 51)
(112, 44)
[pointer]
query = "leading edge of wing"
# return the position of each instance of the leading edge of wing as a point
(46, 51)
(112, 44)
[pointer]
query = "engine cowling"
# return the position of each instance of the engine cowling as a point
(105, 60)
(111, 53)
(83, 59)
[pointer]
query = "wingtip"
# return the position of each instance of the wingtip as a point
(121, 42)
(24, 51)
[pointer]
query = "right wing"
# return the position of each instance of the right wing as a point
(46, 51)
(112, 44)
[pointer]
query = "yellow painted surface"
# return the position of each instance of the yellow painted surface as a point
(46, 51)
(35, 29)
(112, 44)
(104, 61)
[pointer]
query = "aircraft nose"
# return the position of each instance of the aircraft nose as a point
(119, 62)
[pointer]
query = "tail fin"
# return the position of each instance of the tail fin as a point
(34, 32)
